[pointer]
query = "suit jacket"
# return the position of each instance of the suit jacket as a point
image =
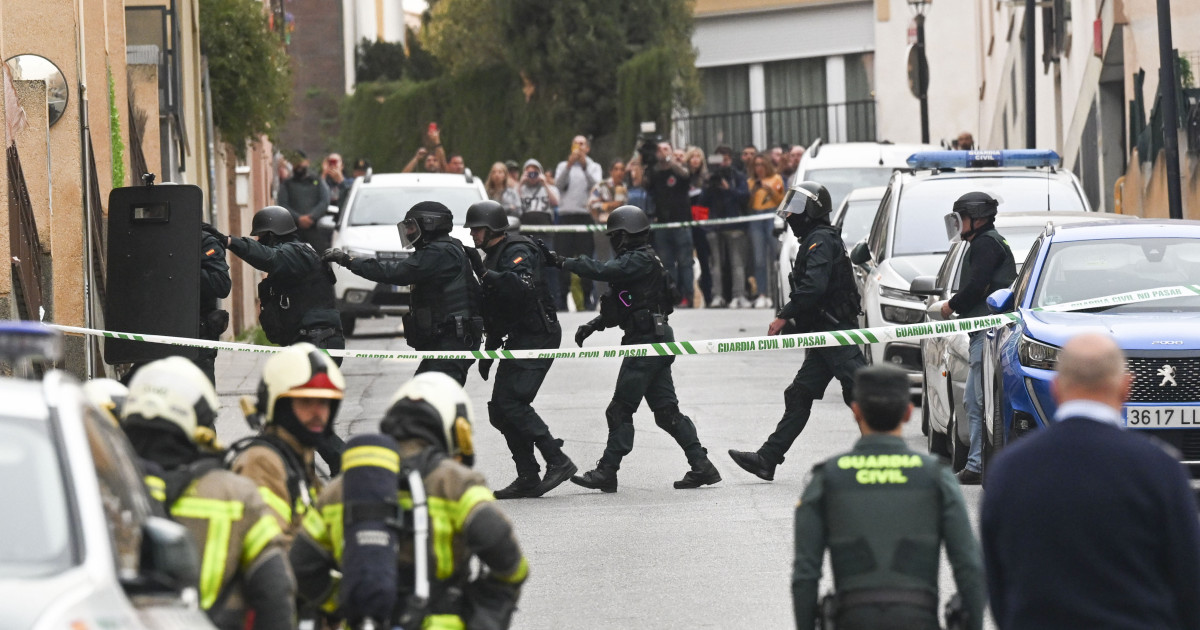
(1086, 525)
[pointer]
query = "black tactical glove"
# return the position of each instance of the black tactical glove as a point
(223, 238)
(335, 255)
(583, 332)
(485, 367)
(476, 264)
(551, 256)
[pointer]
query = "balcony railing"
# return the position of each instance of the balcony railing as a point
(23, 241)
(852, 121)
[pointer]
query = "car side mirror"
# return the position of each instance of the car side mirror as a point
(169, 560)
(860, 255)
(925, 285)
(332, 210)
(326, 224)
(1001, 301)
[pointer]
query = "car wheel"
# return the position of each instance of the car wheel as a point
(996, 442)
(348, 323)
(934, 440)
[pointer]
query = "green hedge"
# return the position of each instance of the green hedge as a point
(482, 114)
(646, 90)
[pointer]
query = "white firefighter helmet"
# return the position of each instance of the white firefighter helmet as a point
(175, 390)
(300, 371)
(108, 395)
(435, 407)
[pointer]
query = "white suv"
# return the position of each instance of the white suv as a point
(840, 168)
(908, 238)
(367, 227)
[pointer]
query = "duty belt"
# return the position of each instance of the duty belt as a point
(911, 597)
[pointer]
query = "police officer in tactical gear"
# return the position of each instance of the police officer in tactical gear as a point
(360, 532)
(244, 577)
(987, 266)
(298, 399)
(444, 314)
(519, 314)
(641, 294)
(823, 297)
(214, 285)
(884, 512)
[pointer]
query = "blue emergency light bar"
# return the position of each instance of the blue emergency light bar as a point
(984, 159)
(30, 341)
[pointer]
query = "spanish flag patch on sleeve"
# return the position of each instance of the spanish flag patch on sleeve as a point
(210, 252)
(518, 259)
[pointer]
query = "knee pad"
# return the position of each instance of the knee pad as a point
(618, 413)
(667, 418)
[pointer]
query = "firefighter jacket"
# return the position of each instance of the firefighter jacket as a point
(283, 470)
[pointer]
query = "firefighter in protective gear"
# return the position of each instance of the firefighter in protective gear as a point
(884, 512)
(519, 315)
(444, 314)
(108, 395)
(823, 298)
(429, 417)
(987, 266)
(641, 294)
(245, 581)
(298, 398)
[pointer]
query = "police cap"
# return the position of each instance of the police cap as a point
(881, 384)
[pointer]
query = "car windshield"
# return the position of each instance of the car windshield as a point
(35, 533)
(856, 222)
(920, 226)
(840, 181)
(387, 206)
(1088, 269)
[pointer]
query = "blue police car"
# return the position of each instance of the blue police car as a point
(1160, 337)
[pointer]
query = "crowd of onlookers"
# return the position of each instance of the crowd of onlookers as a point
(737, 261)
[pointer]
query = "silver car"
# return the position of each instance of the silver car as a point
(945, 357)
(79, 546)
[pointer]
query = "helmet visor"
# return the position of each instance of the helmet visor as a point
(410, 232)
(794, 202)
(954, 224)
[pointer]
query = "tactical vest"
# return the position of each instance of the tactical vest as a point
(841, 299)
(285, 304)
(533, 311)
(1002, 276)
(442, 309)
(634, 304)
(883, 515)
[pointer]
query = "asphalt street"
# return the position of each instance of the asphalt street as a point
(649, 555)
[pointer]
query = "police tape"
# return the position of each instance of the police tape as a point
(831, 338)
(600, 227)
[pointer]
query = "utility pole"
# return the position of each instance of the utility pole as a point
(922, 80)
(1030, 76)
(1167, 87)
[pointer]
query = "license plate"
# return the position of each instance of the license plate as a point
(1165, 417)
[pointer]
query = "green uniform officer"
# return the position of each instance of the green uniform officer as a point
(444, 314)
(640, 296)
(884, 512)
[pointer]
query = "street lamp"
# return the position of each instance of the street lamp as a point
(921, 69)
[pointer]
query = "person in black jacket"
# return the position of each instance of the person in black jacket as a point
(823, 298)
(519, 315)
(445, 297)
(214, 285)
(987, 266)
(1085, 524)
(640, 296)
(668, 182)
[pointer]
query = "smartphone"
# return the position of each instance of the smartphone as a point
(433, 127)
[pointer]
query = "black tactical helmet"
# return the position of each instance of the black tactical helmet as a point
(628, 219)
(487, 214)
(429, 218)
(809, 199)
(273, 220)
(977, 205)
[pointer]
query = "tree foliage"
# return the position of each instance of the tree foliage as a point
(249, 70)
(465, 35)
(379, 61)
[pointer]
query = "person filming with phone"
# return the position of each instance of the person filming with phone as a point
(430, 156)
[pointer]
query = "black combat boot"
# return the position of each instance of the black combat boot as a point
(525, 485)
(754, 464)
(703, 473)
(604, 478)
(559, 467)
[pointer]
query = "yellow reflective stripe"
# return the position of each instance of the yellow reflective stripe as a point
(469, 499)
(220, 516)
(377, 456)
(443, 622)
(314, 524)
(332, 515)
(517, 576)
(156, 486)
(441, 515)
(276, 503)
(257, 539)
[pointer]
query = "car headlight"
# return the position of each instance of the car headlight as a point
(899, 294)
(901, 315)
(1035, 354)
